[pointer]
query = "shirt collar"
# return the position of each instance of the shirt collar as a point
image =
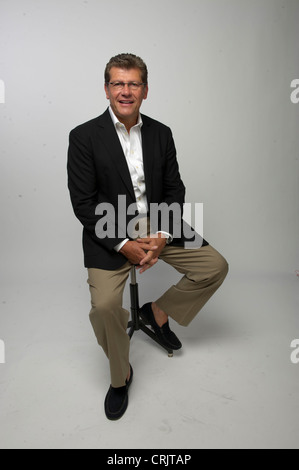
(116, 121)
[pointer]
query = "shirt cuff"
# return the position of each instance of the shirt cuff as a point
(121, 244)
(168, 236)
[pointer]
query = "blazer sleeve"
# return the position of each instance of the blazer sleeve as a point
(173, 186)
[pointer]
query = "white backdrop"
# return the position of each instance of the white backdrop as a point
(219, 76)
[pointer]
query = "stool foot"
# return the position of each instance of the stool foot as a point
(170, 354)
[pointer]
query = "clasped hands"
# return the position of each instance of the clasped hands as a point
(144, 252)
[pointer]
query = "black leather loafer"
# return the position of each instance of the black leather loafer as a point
(116, 401)
(164, 333)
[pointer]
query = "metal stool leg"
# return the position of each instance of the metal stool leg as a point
(137, 323)
(134, 323)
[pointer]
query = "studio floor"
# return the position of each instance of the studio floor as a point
(233, 384)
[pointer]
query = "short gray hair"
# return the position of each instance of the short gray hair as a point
(126, 61)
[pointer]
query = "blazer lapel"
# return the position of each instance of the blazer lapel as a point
(147, 149)
(113, 145)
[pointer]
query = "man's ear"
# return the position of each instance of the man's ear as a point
(145, 92)
(107, 91)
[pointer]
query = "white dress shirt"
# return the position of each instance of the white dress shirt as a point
(132, 147)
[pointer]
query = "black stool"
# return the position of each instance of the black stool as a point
(137, 323)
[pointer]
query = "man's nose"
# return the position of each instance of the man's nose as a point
(126, 89)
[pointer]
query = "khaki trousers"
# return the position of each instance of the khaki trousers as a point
(203, 269)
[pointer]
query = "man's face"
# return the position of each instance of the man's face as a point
(126, 102)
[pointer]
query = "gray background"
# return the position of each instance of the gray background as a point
(219, 76)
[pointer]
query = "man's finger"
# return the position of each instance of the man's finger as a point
(147, 258)
(148, 246)
(147, 240)
(147, 265)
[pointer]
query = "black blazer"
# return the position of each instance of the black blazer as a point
(98, 173)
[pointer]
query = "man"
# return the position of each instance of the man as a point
(124, 160)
